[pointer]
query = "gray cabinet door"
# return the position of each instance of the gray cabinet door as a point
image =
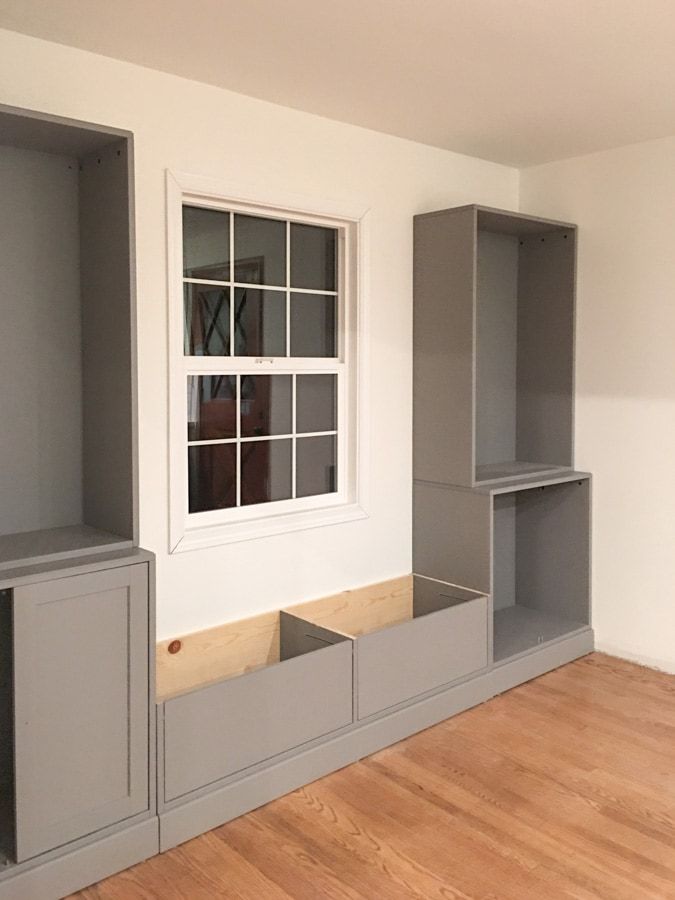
(81, 705)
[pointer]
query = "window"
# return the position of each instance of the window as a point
(267, 363)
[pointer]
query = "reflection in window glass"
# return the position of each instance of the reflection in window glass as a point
(266, 471)
(206, 243)
(212, 476)
(212, 407)
(316, 466)
(259, 250)
(316, 403)
(259, 322)
(313, 257)
(207, 320)
(266, 405)
(313, 326)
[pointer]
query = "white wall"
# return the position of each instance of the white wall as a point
(624, 203)
(203, 130)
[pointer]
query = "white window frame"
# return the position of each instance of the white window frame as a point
(189, 531)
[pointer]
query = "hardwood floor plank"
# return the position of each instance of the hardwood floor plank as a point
(561, 788)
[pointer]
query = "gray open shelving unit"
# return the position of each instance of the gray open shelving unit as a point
(77, 796)
(494, 346)
(497, 504)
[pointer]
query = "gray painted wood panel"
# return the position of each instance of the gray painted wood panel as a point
(553, 550)
(496, 347)
(108, 356)
(452, 535)
(546, 308)
(40, 359)
(50, 544)
(80, 866)
(81, 705)
(215, 731)
(443, 342)
(6, 730)
(398, 663)
(504, 551)
(195, 814)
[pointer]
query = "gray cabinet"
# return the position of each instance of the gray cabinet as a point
(493, 345)
(497, 504)
(80, 705)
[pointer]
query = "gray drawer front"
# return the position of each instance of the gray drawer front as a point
(229, 726)
(399, 663)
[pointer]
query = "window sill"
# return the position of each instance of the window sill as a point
(234, 532)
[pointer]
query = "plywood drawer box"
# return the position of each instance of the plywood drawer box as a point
(283, 689)
(408, 643)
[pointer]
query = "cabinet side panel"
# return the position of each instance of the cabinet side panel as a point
(451, 536)
(107, 340)
(443, 347)
(546, 293)
(553, 549)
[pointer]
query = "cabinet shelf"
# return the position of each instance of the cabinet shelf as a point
(505, 471)
(51, 544)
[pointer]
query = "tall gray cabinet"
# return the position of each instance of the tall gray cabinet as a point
(77, 796)
(497, 502)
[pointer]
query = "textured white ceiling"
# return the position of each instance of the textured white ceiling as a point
(516, 81)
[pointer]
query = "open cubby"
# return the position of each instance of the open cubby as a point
(541, 579)
(494, 346)
(6, 732)
(524, 346)
(66, 345)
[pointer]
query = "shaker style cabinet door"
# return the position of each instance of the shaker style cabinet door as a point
(80, 705)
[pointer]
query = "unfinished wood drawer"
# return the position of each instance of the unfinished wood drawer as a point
(281, 693)
(406, 643)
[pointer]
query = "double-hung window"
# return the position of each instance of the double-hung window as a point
(268, 370)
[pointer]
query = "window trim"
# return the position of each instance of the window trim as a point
(215, 527)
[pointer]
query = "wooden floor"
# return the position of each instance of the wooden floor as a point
(564, 787)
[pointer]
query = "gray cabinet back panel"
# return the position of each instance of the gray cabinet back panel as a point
(218, 730)
(497, 347)
(40, 359)
(81, 705)
(402, 662)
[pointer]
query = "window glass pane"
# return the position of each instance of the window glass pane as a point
(313, 257)
(266, 405)
(212, 407)
(207, 320)
(316, 466)
(212, 476)
(259, 250)
(259, 322)
(206, 244)
(313, 325)
(316, 403)
(265, 471)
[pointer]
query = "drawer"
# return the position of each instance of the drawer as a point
(409, 643)
(302, 690)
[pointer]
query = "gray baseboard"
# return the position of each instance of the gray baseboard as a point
(86, 865)
(195, 815)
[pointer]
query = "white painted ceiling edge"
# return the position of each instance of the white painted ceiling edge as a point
(519, 82)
